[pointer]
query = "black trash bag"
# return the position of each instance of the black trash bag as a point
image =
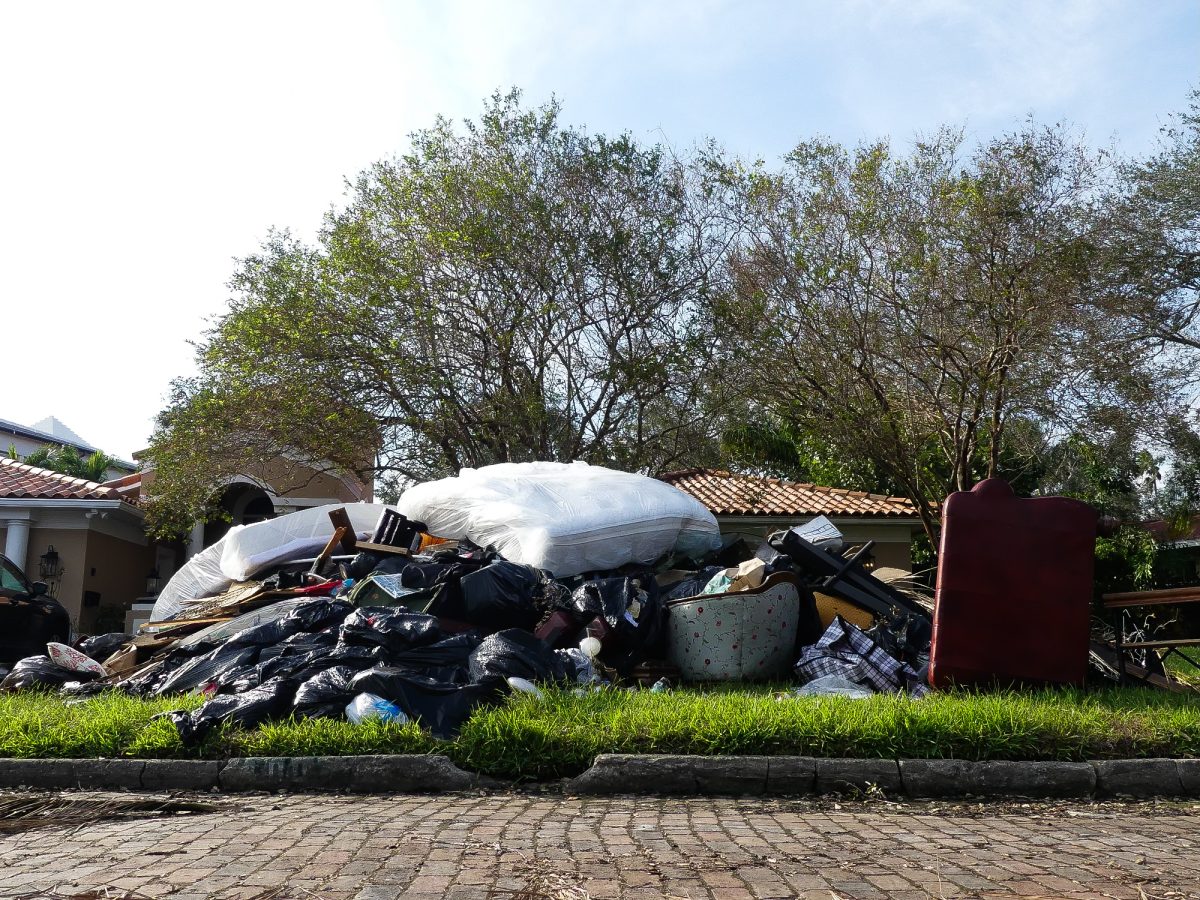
(734, 550)
(246, 710)
(319, 614)
(363, 565)
(146, 682)
(446, 600)
(518, 653)
(694, 585)
(414, 573)
(41, 672)
(91, 688)
(502, 595)
(447, 660)
(304, 666)
(264, 634)
(392, 627)
(301, 643)
(440, 706)
(326, 694)
(101, 646)
(223, 665)
(629, 619)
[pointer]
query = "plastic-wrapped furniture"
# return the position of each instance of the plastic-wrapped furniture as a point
(735, 636)
(1014, 588)
(566, 518)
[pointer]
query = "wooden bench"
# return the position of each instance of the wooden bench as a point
(1168, 597)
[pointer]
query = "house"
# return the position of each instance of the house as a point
(754, 505)
(85, 539)
(48, 433)
(273, 487)
(88, 540)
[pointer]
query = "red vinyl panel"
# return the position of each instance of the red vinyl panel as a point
(1014, 588)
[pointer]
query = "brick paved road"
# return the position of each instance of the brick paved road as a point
(545, 846)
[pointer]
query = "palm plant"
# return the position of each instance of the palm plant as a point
(68, 461)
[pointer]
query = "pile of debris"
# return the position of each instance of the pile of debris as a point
(503, 578)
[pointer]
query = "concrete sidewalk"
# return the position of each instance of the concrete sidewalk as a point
(492, 845)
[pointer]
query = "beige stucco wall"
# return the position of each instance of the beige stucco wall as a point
(290, 479)
(116, 570)
(893, 539)
(71, 545)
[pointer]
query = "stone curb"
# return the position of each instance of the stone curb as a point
(628, 774)
(914, 778)
(402, 773)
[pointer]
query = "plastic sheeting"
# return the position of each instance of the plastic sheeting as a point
(566, 518)
(248, 549)
(252, 548)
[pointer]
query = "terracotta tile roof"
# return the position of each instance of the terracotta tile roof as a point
(21, 481)
(727, 494)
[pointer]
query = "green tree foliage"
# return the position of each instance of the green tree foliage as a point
(1154, 234)
(935, 312)
(512, 290)
(68, 461)
(1125, 561)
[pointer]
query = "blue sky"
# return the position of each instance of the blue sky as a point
(146, 145)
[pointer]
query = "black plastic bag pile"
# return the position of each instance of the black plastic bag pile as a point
(318, 658)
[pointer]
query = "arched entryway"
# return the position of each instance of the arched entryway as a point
(246, 502)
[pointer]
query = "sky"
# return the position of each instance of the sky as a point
(145, 147)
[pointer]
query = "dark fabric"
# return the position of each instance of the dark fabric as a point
(847, 652)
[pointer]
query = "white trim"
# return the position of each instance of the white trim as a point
(67, 503)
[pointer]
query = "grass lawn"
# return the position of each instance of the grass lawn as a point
(560, 734)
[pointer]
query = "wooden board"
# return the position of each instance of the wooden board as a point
(382, 548)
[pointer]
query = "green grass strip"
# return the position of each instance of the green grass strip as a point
(559, 734)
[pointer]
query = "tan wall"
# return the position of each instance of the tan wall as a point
(893, 542)
(116, 570)
(71, 545)
(290, 479)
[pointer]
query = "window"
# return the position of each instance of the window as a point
(11, 579)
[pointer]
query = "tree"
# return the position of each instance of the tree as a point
(68, 461)
(1153, 235)
(515, 290)
(934, 312)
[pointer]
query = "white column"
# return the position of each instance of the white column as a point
(16, 544)
(196, 542)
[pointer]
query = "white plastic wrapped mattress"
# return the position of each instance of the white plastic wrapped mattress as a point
(566, 518)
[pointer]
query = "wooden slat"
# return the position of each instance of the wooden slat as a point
(338, 534)
(341, 519)
(1152, 598)
(383, 548)
(1150, 645)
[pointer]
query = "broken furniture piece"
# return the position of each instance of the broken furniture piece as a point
(1169, 597)
(738, 635)
(1014, 588)
(394, 534)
